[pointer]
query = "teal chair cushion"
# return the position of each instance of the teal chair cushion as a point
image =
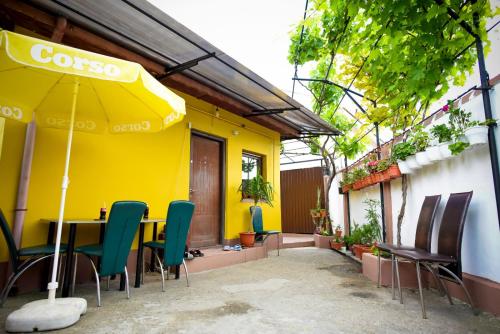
(41, 250)
(90, 250)
(155, 244)
(269, 232)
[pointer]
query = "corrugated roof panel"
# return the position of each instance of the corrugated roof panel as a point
(151, 32)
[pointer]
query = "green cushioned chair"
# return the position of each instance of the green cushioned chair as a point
(178, 221)
(258, 227)
(34, 255)
(124, 218)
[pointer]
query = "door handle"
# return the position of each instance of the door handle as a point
(191, 191)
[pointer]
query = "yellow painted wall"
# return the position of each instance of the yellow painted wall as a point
(149, 167)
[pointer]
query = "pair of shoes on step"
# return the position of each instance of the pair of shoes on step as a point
(196, 253)
(232, 248)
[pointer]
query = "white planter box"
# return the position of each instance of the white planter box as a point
(433, 153)
(422, 158)
(477, 135)
(412, 162)
(445, 151)
(404, 168)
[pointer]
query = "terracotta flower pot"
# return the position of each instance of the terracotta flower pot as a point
(379, 177)
(394, 171)
(357, 185)
(336, 245)
(361, 249)
(346, 187)
(365, 182)
(384, 176)
(247, 239)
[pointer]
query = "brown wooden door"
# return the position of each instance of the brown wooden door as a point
(205, 191)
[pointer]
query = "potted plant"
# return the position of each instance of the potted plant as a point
(400, 153)
(443, 135)
(338, 231)
(370, 232)
(393, 170)
(318, 214)
(477, 132)
(260, 191)
(459, 121)
(346, 182)
(359, 175)
(336, 243)
(420, 139)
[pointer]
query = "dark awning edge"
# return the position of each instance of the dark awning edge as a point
(143, 28)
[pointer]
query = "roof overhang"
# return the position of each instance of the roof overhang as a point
(138, 31)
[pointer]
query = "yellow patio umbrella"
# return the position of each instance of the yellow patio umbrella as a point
(62, 87)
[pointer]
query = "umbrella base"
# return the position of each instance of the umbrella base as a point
(44, 315)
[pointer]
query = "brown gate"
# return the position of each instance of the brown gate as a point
(298, 196)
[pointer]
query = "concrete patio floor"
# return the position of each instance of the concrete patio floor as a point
(305, 290)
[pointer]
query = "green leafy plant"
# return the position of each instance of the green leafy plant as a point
(259, 190)
(247, 166)
(359, 173)
(346, 179)
(458, 147)
(383, 165)
(403, 150)
(376, 251)
(325, 232)
(442, 133)
(372, 231)
(420, 138)
(487, 122)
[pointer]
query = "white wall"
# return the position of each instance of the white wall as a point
(471, 170)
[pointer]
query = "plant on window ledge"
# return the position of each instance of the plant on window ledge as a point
(260, 191)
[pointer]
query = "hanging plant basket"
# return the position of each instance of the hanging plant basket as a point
(477, 135)
(404, 167)
(346, 187)
(445, 151)
(433, 153)
(393, 171)
(357, 185)
(412, 162)
(422, 158)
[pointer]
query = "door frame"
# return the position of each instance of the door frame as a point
(222, 175)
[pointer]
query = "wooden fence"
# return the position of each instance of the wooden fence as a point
(298, 196)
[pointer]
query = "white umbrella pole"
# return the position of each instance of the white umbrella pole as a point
(52, 286)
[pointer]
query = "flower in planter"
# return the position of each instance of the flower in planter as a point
(372, 166)
(445, 108)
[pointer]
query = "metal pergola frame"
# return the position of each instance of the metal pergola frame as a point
(485, 87)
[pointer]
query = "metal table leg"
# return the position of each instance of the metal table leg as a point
(68, 273)
(177, 271)
(138, 266)
(153, 251)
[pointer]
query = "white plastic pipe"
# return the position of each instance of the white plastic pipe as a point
(52, 286)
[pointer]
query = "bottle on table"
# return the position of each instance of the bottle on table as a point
(102, 213)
